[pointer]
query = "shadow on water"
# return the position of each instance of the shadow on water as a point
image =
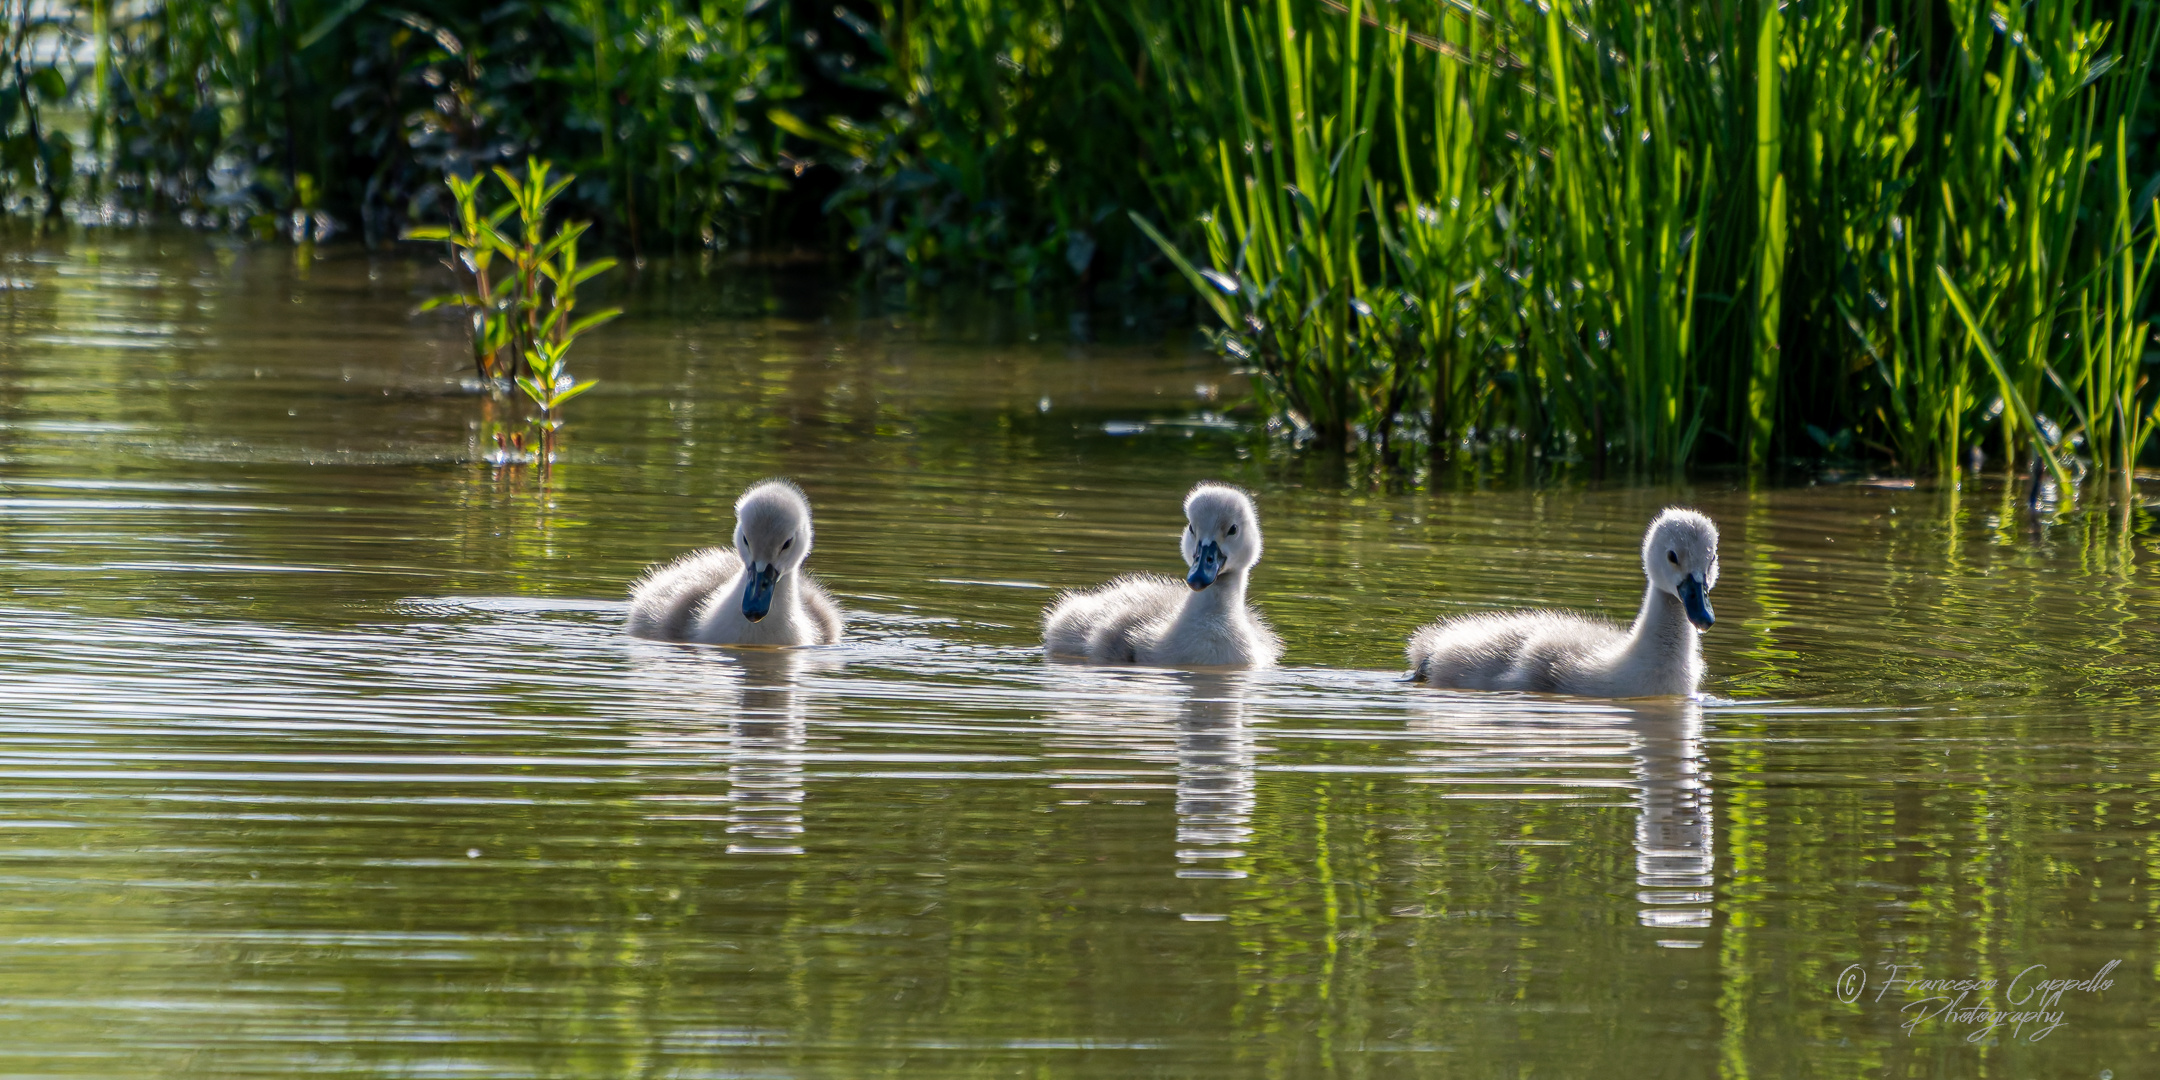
(323, 751)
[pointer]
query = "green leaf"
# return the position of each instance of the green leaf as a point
(447, 299)
(2100, 66)
(794, 125)
(510, 180)
(573, 391)
(566, 238)
(49, 83)
(592, 320)
(428, 232)
(533, 390)
(20, 152)
(329, 22)
(2010, 393)
(496, 240)
(590, 270)
(1201, 285)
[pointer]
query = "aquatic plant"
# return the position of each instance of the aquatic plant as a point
(523, 313)
(1604, 250)
(1286, 278)
(1645, 234)
(1629, 235)
(2011, 232)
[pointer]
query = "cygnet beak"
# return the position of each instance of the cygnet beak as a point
(758, 581)
(1696, 604)
(1206, 564)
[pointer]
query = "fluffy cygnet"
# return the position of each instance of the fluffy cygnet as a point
(1564, 653)
(1202, 621)
(754, 594)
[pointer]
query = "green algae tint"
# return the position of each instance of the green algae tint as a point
(323, 752)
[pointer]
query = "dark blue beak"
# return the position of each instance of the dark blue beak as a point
(1697, 605)
(757, 589)
(1206, 564)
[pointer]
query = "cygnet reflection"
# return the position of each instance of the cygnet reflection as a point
(1215, 756)
(1675, 842)
(765, 764)
(751, 718)
(1546, 750)
(1143, 728)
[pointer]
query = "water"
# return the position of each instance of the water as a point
(322, 752)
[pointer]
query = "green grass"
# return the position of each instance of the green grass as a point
(1644, 234)
(1620, 236)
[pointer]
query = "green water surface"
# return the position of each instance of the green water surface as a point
(321, 751)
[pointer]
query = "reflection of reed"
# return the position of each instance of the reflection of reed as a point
(1675, 849)
(1215, 754)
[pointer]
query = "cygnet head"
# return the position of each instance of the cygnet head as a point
(1222, 533)
(1679, 554)
(772, 537)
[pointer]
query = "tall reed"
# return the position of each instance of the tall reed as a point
(1293, 188)
(1630, 234)
(1659, 233)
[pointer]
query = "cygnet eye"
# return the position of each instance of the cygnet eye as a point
(1673, 558)
(787, 543)
(1231, 531)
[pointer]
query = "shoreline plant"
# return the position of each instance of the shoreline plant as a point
(522, 312)
(1622, 235)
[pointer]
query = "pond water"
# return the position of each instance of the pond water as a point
(323, 752)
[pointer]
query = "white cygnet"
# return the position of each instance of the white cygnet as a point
(754, 594)
(1202, 621)
(1563, 653)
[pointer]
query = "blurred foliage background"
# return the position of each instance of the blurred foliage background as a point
(1004, 140)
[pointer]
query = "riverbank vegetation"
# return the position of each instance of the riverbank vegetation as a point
(1630, 235)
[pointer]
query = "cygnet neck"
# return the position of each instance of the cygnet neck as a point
(1661, 632)
(783, 592)
(1227, 593)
